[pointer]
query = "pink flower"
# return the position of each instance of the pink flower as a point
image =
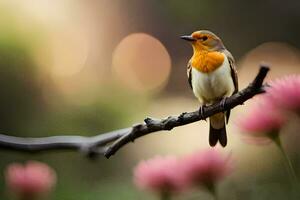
(206, 168)
(285, 92)
(263, 121)
(159, 174)
(30, 180)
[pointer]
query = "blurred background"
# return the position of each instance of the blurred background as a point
(74, 67)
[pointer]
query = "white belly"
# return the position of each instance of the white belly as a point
(213, 86)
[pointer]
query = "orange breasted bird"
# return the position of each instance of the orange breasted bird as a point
(212, 76)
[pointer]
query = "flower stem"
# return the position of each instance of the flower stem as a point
(212, 189)
(165, 196)
(215, 196)
(25, 197)
(287, 162)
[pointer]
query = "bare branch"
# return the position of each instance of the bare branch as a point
(87, 145)
(99, 144)
(152, 125)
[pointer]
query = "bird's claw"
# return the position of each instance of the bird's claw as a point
(201, 112)
(223, 102)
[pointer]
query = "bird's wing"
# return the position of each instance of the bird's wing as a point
(233, 70)
(233, 76)
(189, 74)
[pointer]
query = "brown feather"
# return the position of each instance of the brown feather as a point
(233, 76)
(189, 74)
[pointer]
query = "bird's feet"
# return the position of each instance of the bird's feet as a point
(201, 112)
(223, 102)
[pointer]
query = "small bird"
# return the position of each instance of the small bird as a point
(212, 76)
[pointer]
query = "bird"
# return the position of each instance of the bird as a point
(212, 75)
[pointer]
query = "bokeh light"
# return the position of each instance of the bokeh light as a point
(69, 57)
(141, 62)
(282, 58)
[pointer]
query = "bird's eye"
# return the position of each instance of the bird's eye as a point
(204, 38)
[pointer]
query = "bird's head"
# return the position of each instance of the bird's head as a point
(204, 40)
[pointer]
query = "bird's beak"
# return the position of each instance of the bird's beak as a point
(188, 38)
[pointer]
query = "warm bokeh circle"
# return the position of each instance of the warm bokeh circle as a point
(141, 62)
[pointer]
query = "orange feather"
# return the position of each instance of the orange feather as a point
(207, 61)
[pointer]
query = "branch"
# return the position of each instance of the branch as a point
(100, 144)
(87, 145)
(153, 125)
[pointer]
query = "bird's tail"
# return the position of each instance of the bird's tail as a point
(217, 130)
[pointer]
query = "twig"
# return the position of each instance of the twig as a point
(99, 144)
(152, 125)
(87, 145)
